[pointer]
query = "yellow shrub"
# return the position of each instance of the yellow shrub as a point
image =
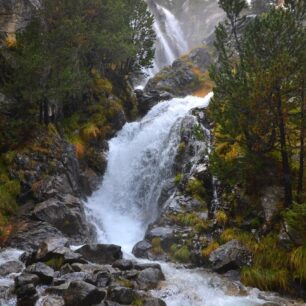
(79, 146)
(221, 217)
(210, 248)
(10, 41)
(90, 131)
(298, 262)
(228, 235)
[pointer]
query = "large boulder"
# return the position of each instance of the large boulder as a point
(164, 234)
(13, 266)
(101, 253)
(230, 256)
(80, 293)
(141, 249)
(44, 272)
(67, 215)
(122, 295)
(49, 245)
(149, 278)
(29, 235)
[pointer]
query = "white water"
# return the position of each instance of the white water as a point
(170, 40)
(138, 163)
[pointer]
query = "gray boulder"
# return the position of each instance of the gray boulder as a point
(101, 253)
(46, 248)
(141, 249)
(230, 256)
(165, 234)
(80, 293)
(67, 215)
(9, 267)
(122, 295)
(149, 278)
(44, 272)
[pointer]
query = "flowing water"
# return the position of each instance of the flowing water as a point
(170, 40)
(139, 160)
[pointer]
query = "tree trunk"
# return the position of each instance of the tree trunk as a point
(302, 149)
(284, 151)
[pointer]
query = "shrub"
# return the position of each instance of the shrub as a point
(265, 279)
(221, 217)
(195, 188)
(210, 248)
(156, 246)
(298, 262)
(182, 254)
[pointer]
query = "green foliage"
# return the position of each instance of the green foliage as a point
(258, 98)
(181, 254)
(298, 262)
(196, 189)
(55, 262)
(156, 246)
(295, 218)
(137, 302)
(178, 178)
(266, 279)
(191, 219)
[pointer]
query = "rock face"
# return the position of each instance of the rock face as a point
(230, 256)
(67, 215)
(178, 80)
(15, 14)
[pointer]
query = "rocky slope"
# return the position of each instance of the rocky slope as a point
(14, 15)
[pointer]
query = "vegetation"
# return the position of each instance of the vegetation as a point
(259, 103)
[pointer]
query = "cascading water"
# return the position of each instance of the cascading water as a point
(139, 160)
(170, 40)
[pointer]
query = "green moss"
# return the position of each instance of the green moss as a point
(196, 188)
(156, 246)
(182, 254)
(55, 262)
(125, 282)
(137, 301)
(198, 132)
(178, 178)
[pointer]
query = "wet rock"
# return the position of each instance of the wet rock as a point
(52, 301)
(141, 249)
(122, 295)
(165, 234)
(154, 302)
(230, 256)
(30, 234)
(44, 272)
(101, 253)
(143, 266)
(67, 215)
(149, 278)
(75, 276)
(65, 269)
(102, 279)
(26, 278)
(46, 248)
(27, 295)
(80, 293)
(123, 264)
(11, 267)
(201, 58)
(58, 290)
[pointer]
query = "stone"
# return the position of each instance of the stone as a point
(165, 234)
(102, 279)
(122, 295)
(80, 293)
(123, 264)
(30, 234)
(27, 295)
(143, 266)
(52, 301)
(154, 302)
(26, 278)
(9, 267)
(141, 249)
(230, 256)
(67, 215)
(46, 248)
(149, 278)
(101, 253)
(44, 272)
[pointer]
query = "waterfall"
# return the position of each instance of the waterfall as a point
(170, 40)
(139, 162)
(140, 159)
